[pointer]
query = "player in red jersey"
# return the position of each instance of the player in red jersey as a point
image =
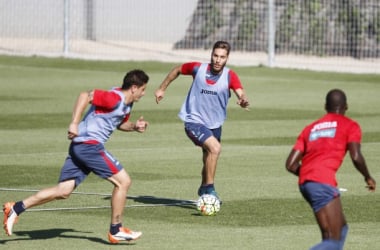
(316, 157)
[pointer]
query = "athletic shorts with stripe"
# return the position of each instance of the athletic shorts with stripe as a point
(199, 133)
(86, 158)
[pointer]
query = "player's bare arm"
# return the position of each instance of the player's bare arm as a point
(139, 126)
(360, 164)
(293, 162)
(242, 98)
(172, 75)
(83, 100)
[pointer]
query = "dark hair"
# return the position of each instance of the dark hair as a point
(222, 45)
(336, 99)
(135, 77)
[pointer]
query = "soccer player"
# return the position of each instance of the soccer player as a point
(109, 110)
(204, 110)
(316, 157)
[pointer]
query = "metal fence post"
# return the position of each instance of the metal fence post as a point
(66, 27)
(271, 33)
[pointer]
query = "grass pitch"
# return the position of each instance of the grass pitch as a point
(262, 208)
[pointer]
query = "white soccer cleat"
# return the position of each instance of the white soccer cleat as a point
(125, 234)
(10, 217)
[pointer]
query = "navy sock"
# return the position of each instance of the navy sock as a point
(115, 228)
(205, 189)
(343, 235)
(19, 207)
(327, 245)
(208, 186)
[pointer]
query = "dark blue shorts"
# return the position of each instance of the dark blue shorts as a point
(86, 158)
(318, 195)
(199, 133)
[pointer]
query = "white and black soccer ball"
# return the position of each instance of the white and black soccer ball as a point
(208, 204)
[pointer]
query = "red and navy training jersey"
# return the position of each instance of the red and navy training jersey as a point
(191, 68)
(108, 110)
(324, 145)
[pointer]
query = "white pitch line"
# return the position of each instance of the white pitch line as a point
(179, 203)
(103, 207)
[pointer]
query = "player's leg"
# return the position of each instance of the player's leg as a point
(61, 191)
(330, 239)
(330, 219)
(121, 182)
(71, 176)
(332, 222)
(103, 164)
(117, 233)
(211, 151)
(13, 209)
(325, 201)
(209, 141)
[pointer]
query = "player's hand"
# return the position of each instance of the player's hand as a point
(73, 131)
(159, 94)
(371, 184)
(242, 102)
(141, 125)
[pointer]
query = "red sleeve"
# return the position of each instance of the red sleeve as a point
(105, 99)
(190, 68)
(301, 142)
(234, 81)
(355, 134)
(126, 118)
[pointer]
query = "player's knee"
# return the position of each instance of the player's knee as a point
(123, 183)
(216, 149)
(126, 183)
(65, 194)
(64, 190)
(121, 180)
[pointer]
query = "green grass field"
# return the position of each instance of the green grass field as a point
(262, 208)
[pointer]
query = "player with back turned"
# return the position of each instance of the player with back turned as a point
(316, 157)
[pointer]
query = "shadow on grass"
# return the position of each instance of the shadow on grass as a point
(159, 201)
(52, 234)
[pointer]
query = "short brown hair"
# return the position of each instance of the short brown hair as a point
(222, 45)
(135, 77)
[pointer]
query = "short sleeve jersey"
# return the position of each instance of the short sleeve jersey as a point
(108, 110)
(208, 96)
(324, 145)
(192, 68)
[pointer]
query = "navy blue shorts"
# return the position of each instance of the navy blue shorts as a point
(86, 158)
(199, 133)
(318, 195)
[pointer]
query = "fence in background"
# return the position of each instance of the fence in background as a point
(341, 35)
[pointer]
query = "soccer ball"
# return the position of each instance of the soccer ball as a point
(208, 204)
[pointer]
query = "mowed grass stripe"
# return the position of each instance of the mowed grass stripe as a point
(262, 208)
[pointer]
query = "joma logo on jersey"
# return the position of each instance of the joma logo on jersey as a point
(323, 130)
(324, 125)
(208, 92)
